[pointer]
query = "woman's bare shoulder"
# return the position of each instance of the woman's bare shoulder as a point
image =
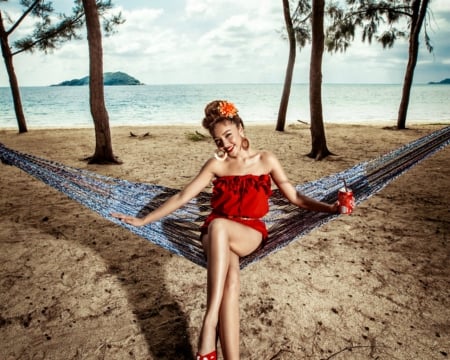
(267, 155)
(215, 167)
(268, 160)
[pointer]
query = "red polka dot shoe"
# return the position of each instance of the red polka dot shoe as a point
(211, 356)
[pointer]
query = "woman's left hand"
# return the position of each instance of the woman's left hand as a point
(334, 208)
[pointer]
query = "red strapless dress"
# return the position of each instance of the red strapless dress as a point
(244, 199)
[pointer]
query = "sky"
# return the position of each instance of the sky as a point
(221, 41)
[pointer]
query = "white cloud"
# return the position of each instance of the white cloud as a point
(440, 6)
(139, 32)
(203, 8)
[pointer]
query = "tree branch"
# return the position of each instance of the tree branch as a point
(24, 15)
(400, 11)
(50, 34)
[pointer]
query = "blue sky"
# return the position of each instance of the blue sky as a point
(222, 41)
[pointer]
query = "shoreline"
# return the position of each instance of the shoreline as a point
(74, 284)
(370, 123)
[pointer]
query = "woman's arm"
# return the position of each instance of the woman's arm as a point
(176, 201)
(288, 190)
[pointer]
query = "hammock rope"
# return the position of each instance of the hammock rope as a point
(179, 232)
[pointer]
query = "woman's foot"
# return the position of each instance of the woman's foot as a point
(211, 356)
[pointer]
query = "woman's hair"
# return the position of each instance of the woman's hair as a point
(220, 110)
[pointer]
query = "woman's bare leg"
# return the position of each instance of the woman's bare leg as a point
(218, 252)
(225, 240)
(229, 311)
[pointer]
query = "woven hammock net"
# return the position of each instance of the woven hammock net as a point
(179, 232)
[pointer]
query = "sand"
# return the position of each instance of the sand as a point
(373, 285)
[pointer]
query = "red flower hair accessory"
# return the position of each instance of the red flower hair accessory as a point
(227, 109)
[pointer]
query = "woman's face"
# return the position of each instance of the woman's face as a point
(228, 136)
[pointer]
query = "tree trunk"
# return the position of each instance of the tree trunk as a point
(419, 12)
(103, 147)
(319, 148)
(6, 52)
(281, 122)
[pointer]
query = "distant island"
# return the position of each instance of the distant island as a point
(109, 78)
(442, 82)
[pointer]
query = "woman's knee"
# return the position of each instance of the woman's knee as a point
(240, 238)
(216, 242)
(218, 226)
(218, 232)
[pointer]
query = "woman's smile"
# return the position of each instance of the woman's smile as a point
(229, 149)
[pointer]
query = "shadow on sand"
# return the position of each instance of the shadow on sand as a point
(140, 267)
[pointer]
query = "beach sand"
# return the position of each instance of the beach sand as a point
(373, 285)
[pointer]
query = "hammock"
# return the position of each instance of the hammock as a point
(179, 233)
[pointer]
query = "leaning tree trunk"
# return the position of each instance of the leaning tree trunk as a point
(103, 147)
(281, 122)
(14, 84)
(419, 12)
(319, 148)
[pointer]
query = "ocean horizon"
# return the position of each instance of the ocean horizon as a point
(146, 105)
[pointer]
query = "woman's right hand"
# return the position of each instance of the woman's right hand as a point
(132, 220)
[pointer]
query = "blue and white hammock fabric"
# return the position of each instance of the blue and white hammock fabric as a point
(179, 232)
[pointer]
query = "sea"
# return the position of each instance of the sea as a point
(146, 105)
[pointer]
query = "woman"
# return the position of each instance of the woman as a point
(242, 186)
